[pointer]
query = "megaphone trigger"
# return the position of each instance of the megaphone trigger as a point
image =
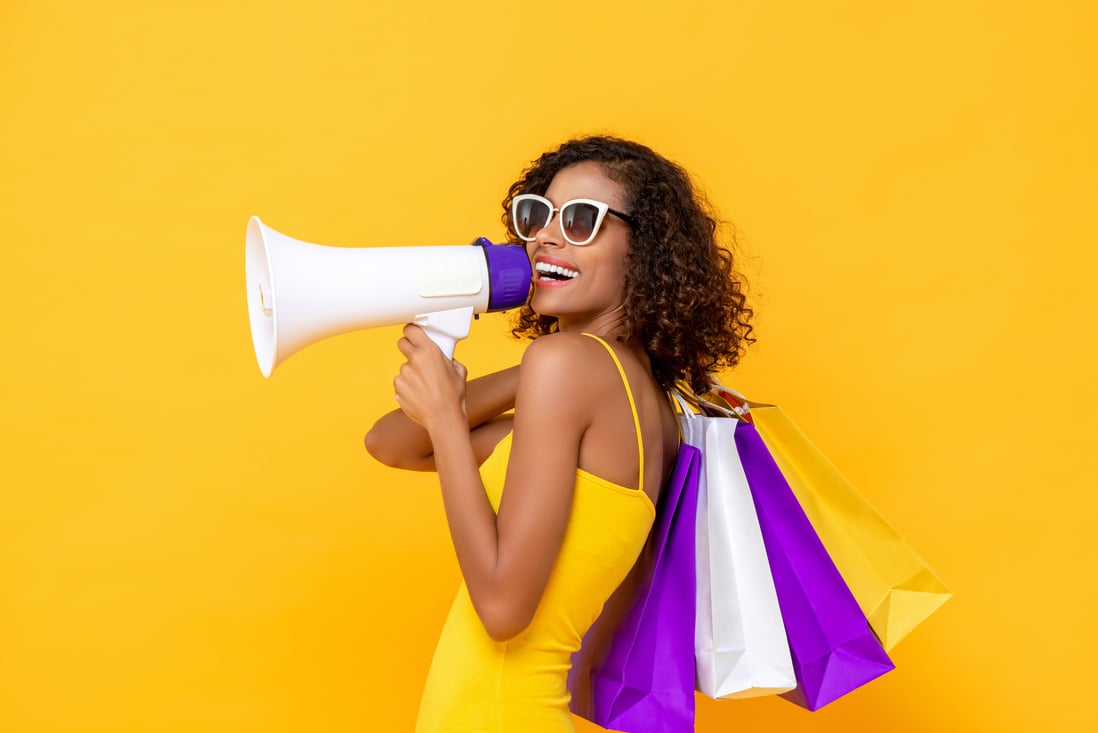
(447, 327)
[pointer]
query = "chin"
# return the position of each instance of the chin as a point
(544, 307)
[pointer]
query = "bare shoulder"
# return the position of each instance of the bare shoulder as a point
(566, 358)
(566, 364)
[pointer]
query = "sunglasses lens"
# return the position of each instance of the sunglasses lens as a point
(578, 221)
(530, 216)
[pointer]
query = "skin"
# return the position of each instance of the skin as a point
(570, 410)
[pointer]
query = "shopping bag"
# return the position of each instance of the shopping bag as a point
(740, 645)
(895, 587)
(642, 680)
(833, 648)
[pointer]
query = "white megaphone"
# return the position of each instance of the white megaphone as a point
(300, 293)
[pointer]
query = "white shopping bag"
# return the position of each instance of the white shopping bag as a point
(740, 646)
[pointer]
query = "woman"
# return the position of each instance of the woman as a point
(631, 292)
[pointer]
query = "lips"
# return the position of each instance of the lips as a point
(551, 272)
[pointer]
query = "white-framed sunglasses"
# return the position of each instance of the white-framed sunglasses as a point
(580, 219)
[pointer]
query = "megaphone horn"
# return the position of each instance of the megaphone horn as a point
(300, 293)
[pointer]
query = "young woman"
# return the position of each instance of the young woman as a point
(550, 470)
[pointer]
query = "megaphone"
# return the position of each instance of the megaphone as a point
(300, 293)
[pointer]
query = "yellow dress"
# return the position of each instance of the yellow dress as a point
(477, 685)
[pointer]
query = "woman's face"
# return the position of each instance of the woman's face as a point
(590, 292)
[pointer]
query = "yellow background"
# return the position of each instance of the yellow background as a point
(185, 546)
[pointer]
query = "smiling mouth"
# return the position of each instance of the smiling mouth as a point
(554, 272)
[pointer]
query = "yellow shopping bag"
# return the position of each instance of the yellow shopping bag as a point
(895, 588)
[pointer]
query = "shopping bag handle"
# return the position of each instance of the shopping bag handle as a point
(679, 401)
(735, 401)
(714, 404)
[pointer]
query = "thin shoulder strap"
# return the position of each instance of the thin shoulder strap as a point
(632, 407)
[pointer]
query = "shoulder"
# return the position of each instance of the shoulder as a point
(569, 358)
(556, 348)
(567, 363)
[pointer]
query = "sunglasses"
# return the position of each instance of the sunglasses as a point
(580, 219)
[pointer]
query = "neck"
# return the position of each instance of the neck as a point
(606, 325)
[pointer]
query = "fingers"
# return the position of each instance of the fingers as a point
(425, 365)
(410, 340)
(427, 384)
(406, 347)
(416, 334)
(411, 329)
(408, 409)
(415, 338)
(410, 379)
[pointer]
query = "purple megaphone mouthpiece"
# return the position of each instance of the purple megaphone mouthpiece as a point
(509, 274)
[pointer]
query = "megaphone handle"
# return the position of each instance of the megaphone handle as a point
(446, 328)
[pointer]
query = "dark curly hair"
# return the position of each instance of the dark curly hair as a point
(682, 293)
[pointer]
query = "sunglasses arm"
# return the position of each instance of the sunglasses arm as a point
(447, 327)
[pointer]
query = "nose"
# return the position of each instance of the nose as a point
(551, 234)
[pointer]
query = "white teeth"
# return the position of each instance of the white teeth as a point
(556, 269)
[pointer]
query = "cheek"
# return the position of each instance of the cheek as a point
(622, 264)
(610, 276)
(621, 276)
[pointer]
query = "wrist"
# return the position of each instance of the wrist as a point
(446, 422)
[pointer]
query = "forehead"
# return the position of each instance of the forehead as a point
(586, 180)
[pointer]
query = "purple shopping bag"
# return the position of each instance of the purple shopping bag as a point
(641, 679)
(834, 650)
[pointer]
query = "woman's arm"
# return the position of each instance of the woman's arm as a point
(397, 441)
(506, 560)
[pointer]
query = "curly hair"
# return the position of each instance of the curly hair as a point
(682, 293)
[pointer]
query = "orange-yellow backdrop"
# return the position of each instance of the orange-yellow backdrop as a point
(189, 547)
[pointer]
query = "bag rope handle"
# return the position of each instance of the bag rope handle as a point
(718, 402)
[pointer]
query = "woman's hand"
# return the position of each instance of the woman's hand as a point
(397, 441)
(429, 387)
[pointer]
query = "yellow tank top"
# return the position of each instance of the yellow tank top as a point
(477, 685)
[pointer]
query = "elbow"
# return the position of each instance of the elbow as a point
(393, 451)
(383, 450)
(375, 446)
(503, 624)
(501, 632)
